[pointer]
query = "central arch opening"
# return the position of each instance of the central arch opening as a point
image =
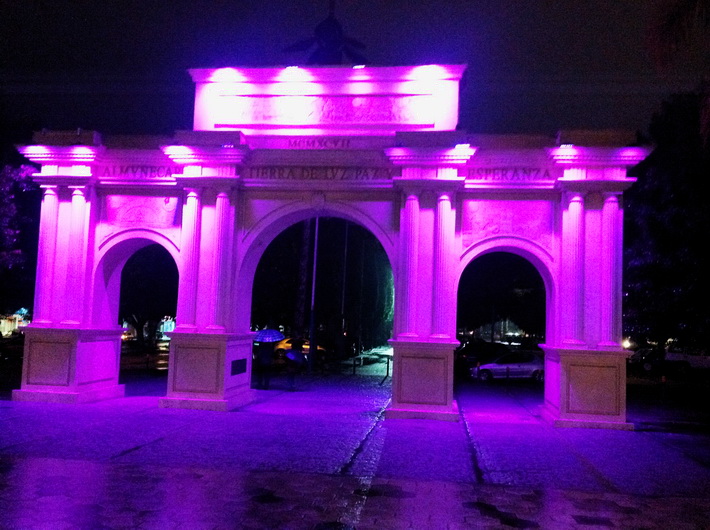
(500, 323)
(327, 283)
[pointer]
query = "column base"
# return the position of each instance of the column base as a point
(585, 388)
(217, 405)
(413, 413)
(550, 417)
(48, 396)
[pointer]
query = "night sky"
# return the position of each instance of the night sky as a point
(540, 66)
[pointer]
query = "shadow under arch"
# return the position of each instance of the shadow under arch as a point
(536, 255)
(261, 236)
(112, 257)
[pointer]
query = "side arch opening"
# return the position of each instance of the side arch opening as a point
(136, 289)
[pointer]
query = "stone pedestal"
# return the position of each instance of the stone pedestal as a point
(585, 388)
(209, 371)
(422, 381)
(70, 365)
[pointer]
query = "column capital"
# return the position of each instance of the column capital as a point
(596, 169)
(578, 156)
(430, 156)
(194, 155)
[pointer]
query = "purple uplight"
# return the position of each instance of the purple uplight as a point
(227, 75)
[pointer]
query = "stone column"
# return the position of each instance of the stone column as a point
(443, 300)
(76, 277)
(189, 253)
(611, 271)
(221, 244)
(409, 264)
(571, 313)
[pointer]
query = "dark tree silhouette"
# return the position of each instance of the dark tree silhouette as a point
(666, 281)
(18, 227)
(679, 32)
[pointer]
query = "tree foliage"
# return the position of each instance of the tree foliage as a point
(667, 285)
(13, 180)
(679, 33)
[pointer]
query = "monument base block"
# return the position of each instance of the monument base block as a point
(422, 381)
(585, 388)
(209, 371)
(70, 364)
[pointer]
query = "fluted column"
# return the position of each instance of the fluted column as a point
(189, 253)
(443, 306)
(572, 300)
(46, 254)
(220, 247)
(409, 262)
(74, 285)
(612, 218)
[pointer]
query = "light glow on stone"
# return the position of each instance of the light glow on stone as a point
(178, 151)
(80, 152)
(36, 151)
(429, 72)
(228, 75)
(295, 74)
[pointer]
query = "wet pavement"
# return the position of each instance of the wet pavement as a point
(324, 457)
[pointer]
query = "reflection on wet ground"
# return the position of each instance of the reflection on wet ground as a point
(324, 457)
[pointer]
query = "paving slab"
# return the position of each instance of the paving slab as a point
(324, 457)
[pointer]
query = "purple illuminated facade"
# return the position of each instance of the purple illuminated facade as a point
(377, 146)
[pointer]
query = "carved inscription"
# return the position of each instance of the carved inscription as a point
(124, 210)
(325, 110)
(137, 171)
(510, 174)
(532, 220)
(319, 143)
(319, 173)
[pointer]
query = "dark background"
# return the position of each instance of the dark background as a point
(120, 66)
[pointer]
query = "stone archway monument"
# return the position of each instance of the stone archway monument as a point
(375, 145)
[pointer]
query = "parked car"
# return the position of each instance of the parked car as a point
(470, 354)
(646, 360)
(667, 362)
(519, 364)
(281, 347)
(687, 360)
